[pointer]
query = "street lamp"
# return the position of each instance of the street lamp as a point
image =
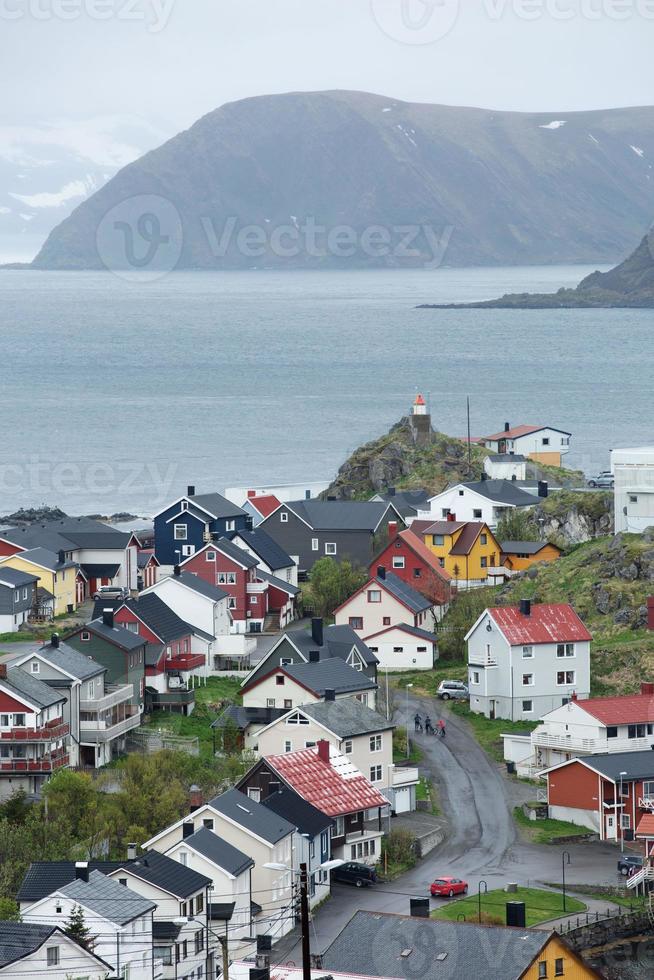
(304, 904)
(408, 747)
(565, 859)
(622, 775)
(485, 884)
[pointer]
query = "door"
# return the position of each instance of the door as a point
(611, 827)
(403, 800)
(491, 709)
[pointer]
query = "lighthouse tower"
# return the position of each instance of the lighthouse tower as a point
(420, 421)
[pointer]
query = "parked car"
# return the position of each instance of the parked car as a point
(604, 480)
(448, 887)
(353, 873)
(111, 592)
(453, 690)
(629, 862)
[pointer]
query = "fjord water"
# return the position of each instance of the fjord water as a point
(117, 394)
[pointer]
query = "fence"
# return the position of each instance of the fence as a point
(148, 740)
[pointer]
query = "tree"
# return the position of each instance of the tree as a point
(77, 929)
(9, 910)
(332, 582)
(517, 525)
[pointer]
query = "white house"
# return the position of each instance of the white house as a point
(283, 491)
(633, 474)
(271, 556)
(30, 950)
(404, 647)
(542, 443)
(384, 601)
(119, 918)
(290, 685)
(483, 500)
(596, 725)
(526, 660)
(506, 466)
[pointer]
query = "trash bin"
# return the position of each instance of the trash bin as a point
(510, 768)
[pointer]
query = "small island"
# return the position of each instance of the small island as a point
(629, 285)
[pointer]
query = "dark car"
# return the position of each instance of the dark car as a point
(629, 863)
(355, 874)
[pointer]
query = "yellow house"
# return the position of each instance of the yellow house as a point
(557, 959)
(465, 549)
(57, 577)
(519, 555)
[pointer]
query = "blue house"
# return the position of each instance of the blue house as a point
(192, 521)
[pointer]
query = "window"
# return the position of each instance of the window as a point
(279, 680)
(283, 517)
(633, 499)
(4, 721)
(475, 677)
(288, 704)
(565, 649)
(612, 731)
(230, 525)
(483, 562)
(35, 667)
(199, 903)
(208, 823)
(565, 677)
(199, 941)
(527, 680)
(356, 622)
(180, 532)
(163, 953)
(270, 702)
(477, 515)
(558, 966)
(546, 441)
(483, 539)
(398, 649)
(386, 621)
(527, 653)
(188, 550)
(374, 595)
(542, 970)
(417, 572)
(460, 494)
(445, 511)
(253, 600)
(211, 556)
(625, 821)
(85, 636)
(315, 544)
(183, 858)
(375, 743)
(437, 539)
(441, 562)
(398, 561)
(376, 774)
(636, 731)
(330, 548)
(648, 789)
(231, 602)
(347, 746)
(527, 706)
(338, 827)
(288, 745)
(52, 955)
(19, 720)
(254, 794)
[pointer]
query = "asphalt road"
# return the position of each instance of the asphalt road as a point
(482, 844)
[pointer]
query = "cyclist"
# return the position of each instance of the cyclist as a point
(429, 728)
(441, 728)
(417, 721)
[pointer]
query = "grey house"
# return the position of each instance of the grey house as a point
(17, 598)
(340, 529)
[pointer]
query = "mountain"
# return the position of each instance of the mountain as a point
(629, 285)
(258, 183)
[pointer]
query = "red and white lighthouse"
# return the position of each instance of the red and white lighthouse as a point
(419, 406)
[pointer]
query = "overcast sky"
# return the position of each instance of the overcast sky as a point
(170, 61)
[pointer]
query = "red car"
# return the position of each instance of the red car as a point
(448, 887)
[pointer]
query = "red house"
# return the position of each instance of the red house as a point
(407, 557)
(224, 564)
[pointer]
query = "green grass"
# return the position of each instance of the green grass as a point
(425, 682)
(208, 701)
(20, 637)
(399, 748)
(546, 831)
(613, 894)
(540, 905)
(487, 731)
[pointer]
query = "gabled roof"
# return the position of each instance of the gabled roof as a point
(44, 558)
(338, 641)
(13, 578)
(507, 458)
(232, 551)
(20, 939)
(30, 688)
(516, 431)
(265, 505)
(405, 628)
(68, 534)
(346, 717)
(69, 660)
(197, 584)
(217, 850)
(547, 623)
(645, 826)
(404, 593)
(502, 492)
(336, 787)
(107, 899)
(143, 558)
(632, 765)
(525, 547)
(306, 817)
(399, 946)
(216, 505)
(252, 816)
(341, 515)
(118, 635)
(236, 714)
(270, 553)
(619, 710)
(411, 539)
(333, 674)
(278, 583)
(159, 617)
(407, 502)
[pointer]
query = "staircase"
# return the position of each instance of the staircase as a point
(271, 623)
(645, 874)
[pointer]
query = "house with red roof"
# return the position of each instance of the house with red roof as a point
(408, 557)
(260, 505)
(332, 784)
(527, 660)
(623, 723)
(542, 443)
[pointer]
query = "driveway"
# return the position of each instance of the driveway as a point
(482, 844)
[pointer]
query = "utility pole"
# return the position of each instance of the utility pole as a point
(304, 918)
(223, 943)
(469, 443)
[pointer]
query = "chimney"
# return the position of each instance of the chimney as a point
(54, 640)
(647, 689)
(82, 870)
(3, 672)
(543, 488)
(650, 613)
(451, 516)
(190, 491)
(177, 571)
(525, 607)
(108, 618)
(392, 530)
(507, 426)
(330, 694)
(131, 852)
(391, 491)
(251, 494)
(317, 631)
(381, 572)
(419, 908)
(61, 557)
(314, 656)
(187, 829)
(195, 797)
(323, 748)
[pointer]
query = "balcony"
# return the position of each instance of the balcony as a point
(182, 695)
(482, 660)
(113, 696)
(185, 661)
(106, 730)
(53, 730)
(405, 777)
(27, 766)
(575, 743)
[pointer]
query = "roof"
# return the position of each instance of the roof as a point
(70, 660)
(525, 547)
(270, 553)
(346, 717)
(165, 931)
(166, 873)
(406, 628)
(44, 558)
(419, 548)
(100, 570)
(620, 709)
(236, 714)
(233, 551)
(332, 674)
(407, 502)
(19, 939)
(68, 534)
(645, 826)
(502, 492)
(14, 577)
(252, 816)
(122, 637)
(221, 911)
(159, 617)
(306, 817)
(388, 945)
(219, 851)
(547, 623)
(634, 765)
(215, 504)
(143, 558)
(199, 585)
(403, 592)
(106, 898)
(516, 431)
(466, 539)
(265, 504)
(31, 688)
(337, 642)
(507, 458)
(340, 515)
(278, 583)
(336, 787)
